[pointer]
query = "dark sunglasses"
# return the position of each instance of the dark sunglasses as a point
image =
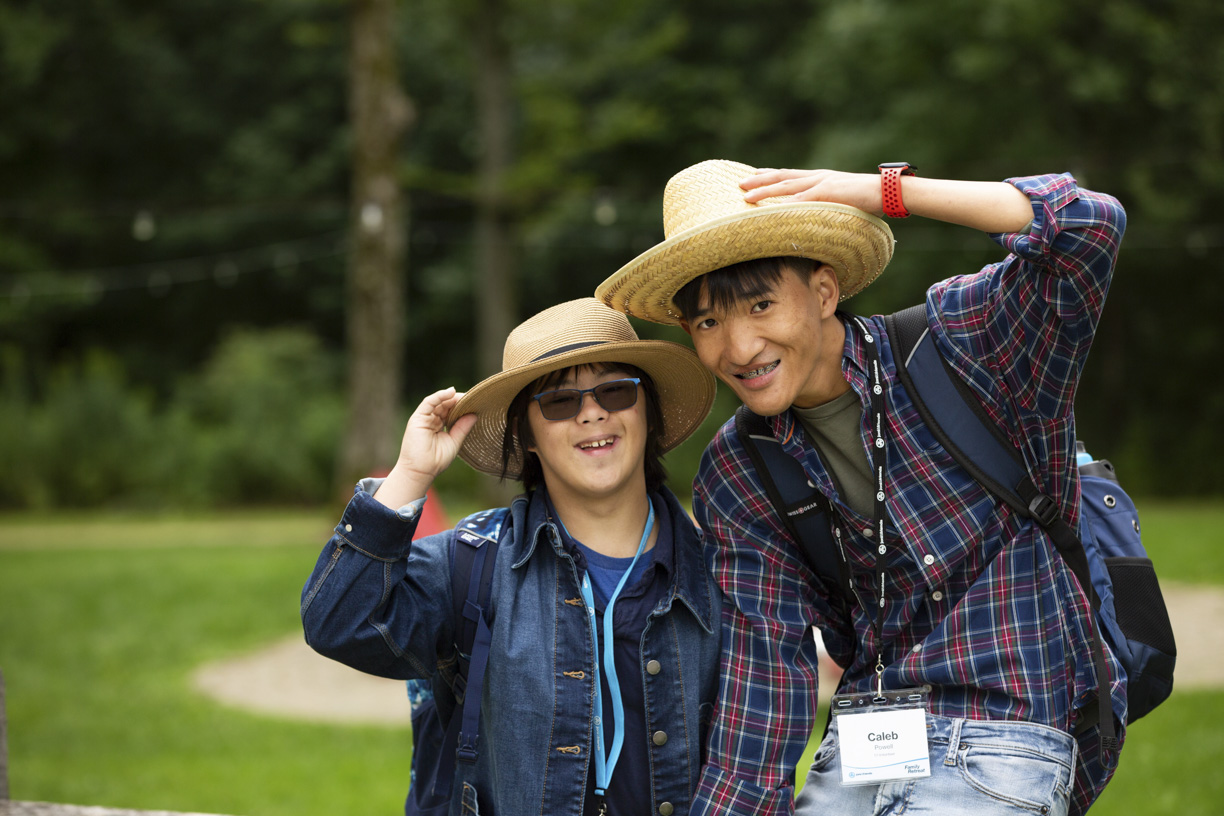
(565, 403)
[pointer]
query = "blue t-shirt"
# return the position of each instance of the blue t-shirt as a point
(606, 572)
(629, 790)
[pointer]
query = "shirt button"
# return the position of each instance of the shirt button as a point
(653, 667)
(928, 559)
(867, 531)
(937, 595)
(917, 647)
(666, 809)
(659, 738)
(348, 528)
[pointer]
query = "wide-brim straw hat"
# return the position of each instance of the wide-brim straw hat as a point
(708, 225)
(575, 333)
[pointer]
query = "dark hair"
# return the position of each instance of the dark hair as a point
(723, 288)
(517, 437)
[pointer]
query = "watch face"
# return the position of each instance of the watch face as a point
(901, 164)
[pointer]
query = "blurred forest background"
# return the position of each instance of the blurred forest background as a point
(212, 211)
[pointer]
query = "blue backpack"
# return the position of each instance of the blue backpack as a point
(446, 716)
(1107, 555)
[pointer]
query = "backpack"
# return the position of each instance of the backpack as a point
(1107, 555)
(446, 717)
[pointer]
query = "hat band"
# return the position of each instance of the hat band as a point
(564, 349)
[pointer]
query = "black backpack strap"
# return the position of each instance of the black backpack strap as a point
(803, 509)
(475, 542)
(958, 421)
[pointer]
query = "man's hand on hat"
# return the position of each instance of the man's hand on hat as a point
(428, 448)
(989, 206)
(860, 190)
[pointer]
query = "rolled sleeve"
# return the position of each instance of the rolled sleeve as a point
(1075, 234)
(1028, 321)
(1047, 194)
(374, 529)
(720, 793)
(377, 600)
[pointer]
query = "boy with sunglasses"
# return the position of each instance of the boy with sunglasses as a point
(605, 641)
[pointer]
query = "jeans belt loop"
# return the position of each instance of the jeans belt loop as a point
(954, 741)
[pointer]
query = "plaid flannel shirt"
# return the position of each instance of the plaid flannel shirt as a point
(978, 603)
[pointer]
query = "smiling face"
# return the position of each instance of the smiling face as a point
(776, 345)
(598, 453)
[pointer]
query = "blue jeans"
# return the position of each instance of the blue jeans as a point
(979, 768)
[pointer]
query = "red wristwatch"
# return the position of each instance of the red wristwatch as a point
(890, 187)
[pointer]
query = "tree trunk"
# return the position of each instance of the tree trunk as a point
(380, 115)
(495, 289)
(496, 293)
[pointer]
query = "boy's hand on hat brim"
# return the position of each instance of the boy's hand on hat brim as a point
(428, 448)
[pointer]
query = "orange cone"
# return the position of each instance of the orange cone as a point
(433, 516)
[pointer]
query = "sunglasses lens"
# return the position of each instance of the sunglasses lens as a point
(617, 395)
(560, 404)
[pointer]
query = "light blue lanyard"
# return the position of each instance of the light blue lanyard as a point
(605, 762)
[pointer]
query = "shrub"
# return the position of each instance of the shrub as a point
(260, 424)
(85, 443)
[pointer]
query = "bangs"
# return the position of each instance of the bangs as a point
(722, 289)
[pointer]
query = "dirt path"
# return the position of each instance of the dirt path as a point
(288, 679)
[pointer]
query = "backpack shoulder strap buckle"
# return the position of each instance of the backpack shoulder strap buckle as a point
(1043, 509)
(467, 751)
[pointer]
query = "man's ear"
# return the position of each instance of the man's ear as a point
(824, 285)
(684, 324)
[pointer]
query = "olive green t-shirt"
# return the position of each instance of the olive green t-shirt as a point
(834, 428)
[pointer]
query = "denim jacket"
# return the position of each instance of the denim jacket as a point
(381, 602)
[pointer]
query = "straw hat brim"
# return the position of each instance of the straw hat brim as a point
(856, 244)
(685, 389)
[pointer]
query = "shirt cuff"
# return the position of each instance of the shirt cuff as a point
(1048, 194)
(719, 793)
(408, 512)
(376, 530)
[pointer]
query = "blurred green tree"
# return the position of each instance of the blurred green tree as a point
(169, 170)
(176, 170)
(1124, 97)
(380, 114)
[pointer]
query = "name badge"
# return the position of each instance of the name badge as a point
(882, 738)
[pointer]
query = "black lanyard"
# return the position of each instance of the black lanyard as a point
(879, 470)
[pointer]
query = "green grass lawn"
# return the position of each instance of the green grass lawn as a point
(103, 619)
(101, 625)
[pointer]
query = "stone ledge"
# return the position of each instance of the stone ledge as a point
(51, 809)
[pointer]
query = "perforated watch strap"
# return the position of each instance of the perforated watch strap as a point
(890, 188)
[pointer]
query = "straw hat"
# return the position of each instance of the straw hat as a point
(709, 225)
(581, 331)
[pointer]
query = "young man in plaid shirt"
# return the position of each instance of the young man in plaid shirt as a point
(952, 588)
